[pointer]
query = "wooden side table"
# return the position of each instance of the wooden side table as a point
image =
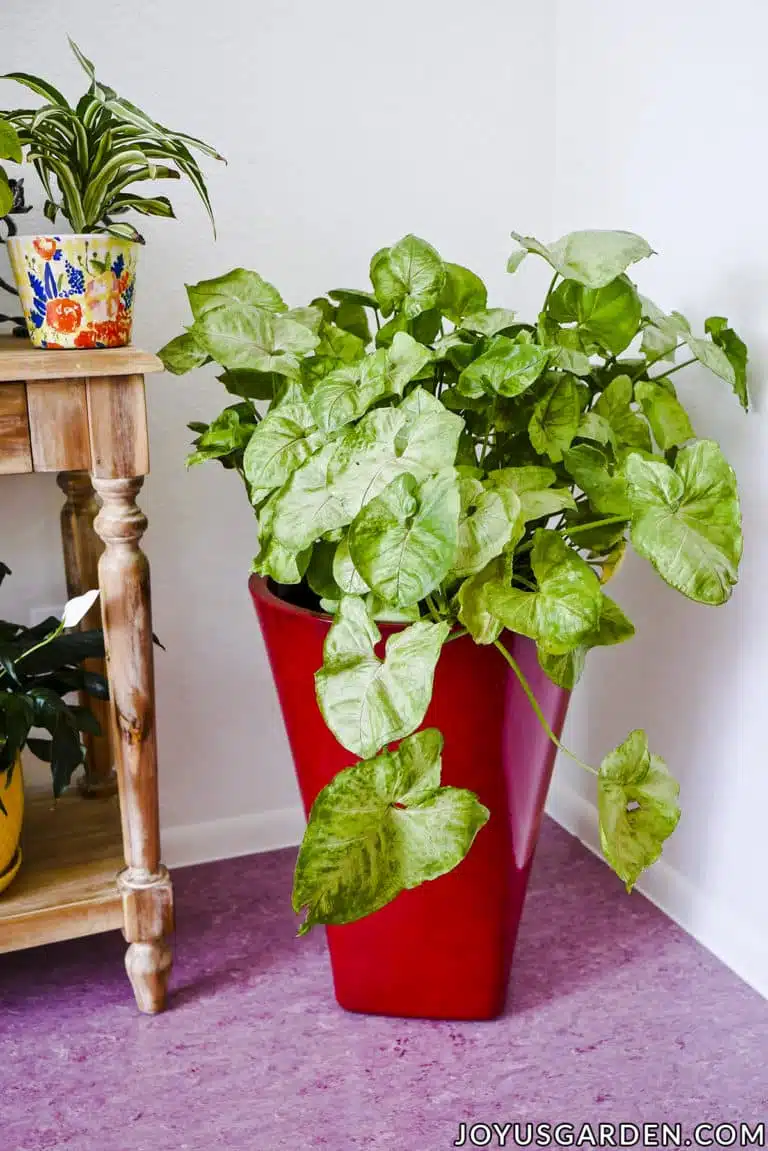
(83, 415)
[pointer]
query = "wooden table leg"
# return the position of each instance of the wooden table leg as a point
(82, 548)
(126, 612)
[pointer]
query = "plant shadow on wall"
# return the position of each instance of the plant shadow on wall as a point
(463, 472)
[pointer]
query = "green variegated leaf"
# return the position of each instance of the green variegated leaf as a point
(712, 357)
(342, 397)
(605, 487)
(668, 418)
(281, 564)
(608, 316)
(489, 321)
(429, 437)
(345, 573)
(240, 287)
(614, 406)
(239, 336)
(182, 354)
(614, 627)
(282, 441)
(338, 344)
(388, 370)
(595, 427)
(555, 419)
(487, 523)
(736, 352)
(464, 294)
(566, 607)
(310, 505)
(474, 612)
(225, 438)
(507, 368)
(403, 543)
(593, 258)
(367, 702)
(686, 521)
(638, 808)
(353, 296)
(379, 828)
(533, 486)
(408, 277)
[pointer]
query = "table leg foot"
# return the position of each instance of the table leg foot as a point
(149, 966)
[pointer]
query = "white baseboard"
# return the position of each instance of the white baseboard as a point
(227, 838)
(733, 940)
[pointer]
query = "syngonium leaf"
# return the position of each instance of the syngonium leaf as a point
(474, 613)
(566, 607)
(341, 397)
(382, 827)
(614, 627)
(593, 258)
(605, 487)
(389, 369)
(489, 321)
(225, 438)
(238, 287)
(242, 336)
(555, 419)
(408, 277)
(686, 521)
(507, 368)
(345, 573)
(614, 406)
(668, 418)
(367, 702)
(533, 486)
(736, 352)
(608, 316)
(183, 354)
(309, 505)
(638, 808)
(282, 441)
(464, 294)
(403, 543)
(490, 519)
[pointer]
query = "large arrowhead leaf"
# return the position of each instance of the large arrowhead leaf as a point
(614, 406)
(463, 294)
(389, 369)
(605, 489)
(281, 442)
(403, 542)
(566, 607)
(614, 627)
(341, 397)
(507, 368)
(240, 336)
(310, 504)
(182, 354)
(637, 803)
(488, 521)
(533, 486)
(382, 827)
(609, 316)
(668, 418)
(474, 612)
(555, 419)
(236, 287)
(408, 277)
(368, 702)
(593, 258)
(687, 521)
(429, 437)
(489, 321)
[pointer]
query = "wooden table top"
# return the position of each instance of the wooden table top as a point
(20, 361)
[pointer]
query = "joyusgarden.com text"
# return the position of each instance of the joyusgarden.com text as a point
(640, 1135)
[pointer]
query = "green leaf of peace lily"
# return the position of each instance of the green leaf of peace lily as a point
(404, 542)
(409, 277)
(686, 521)
(632, 838)
(555, 419)
(379, 828)
(238, 287)
(463, 294)
(507, 368)
(735, 350)
(566, 607)
(605, 488)
(668, 418)
(614, 627)
(282, 441)
(533, 486)
(609, 316)
(183, 354)
(593, 258)
(474, 613)
(488, 521)
(614, 406)
(368, 702)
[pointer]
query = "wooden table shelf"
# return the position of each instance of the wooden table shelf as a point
(90, 864)
(72, 851)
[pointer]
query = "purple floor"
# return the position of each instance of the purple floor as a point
(615, 1015)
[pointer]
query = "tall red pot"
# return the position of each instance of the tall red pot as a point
(443, 950)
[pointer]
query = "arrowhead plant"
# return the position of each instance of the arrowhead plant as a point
(412, 454)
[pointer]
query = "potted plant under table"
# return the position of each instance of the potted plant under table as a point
(77, 290)
(443, 492)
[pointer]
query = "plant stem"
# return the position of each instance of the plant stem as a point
(432, 608)
(550, 289)
(537, 709)
(456, 635)
(654, 360)
(580, 528)
(51, 635)
(676, 368)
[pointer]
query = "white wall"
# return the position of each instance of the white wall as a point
(660, 129)
(345, 127)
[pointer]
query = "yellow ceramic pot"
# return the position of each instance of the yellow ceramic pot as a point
(75, 291)
(10, 825)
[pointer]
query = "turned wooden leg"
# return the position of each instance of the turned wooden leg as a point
(126, 612)
(82, 548)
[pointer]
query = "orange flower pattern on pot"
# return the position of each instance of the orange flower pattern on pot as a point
(76, 291)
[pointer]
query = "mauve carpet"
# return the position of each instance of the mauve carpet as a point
(615, 1015)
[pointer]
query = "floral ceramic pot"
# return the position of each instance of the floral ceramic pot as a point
(76, 291)
(12, 795)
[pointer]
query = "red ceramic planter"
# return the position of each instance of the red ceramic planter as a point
(443, 950)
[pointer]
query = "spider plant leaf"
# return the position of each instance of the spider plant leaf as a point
(146, 205)
(38, 86)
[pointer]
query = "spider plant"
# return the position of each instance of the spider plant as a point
(90, 156)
